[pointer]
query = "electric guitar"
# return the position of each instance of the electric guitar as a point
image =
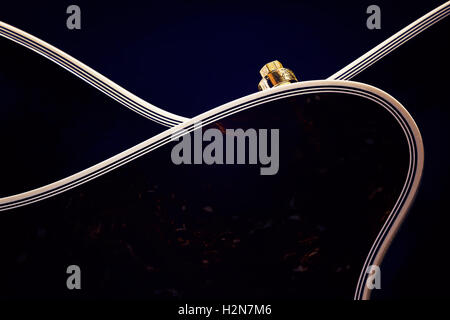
(296, 191)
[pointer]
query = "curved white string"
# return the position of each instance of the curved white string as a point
(392, 43)
(90, 76)
(38, 194)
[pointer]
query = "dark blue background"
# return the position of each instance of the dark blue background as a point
(209, 52)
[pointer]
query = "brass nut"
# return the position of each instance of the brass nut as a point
(274, 74)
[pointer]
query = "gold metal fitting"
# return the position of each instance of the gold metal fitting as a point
(273, 75)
